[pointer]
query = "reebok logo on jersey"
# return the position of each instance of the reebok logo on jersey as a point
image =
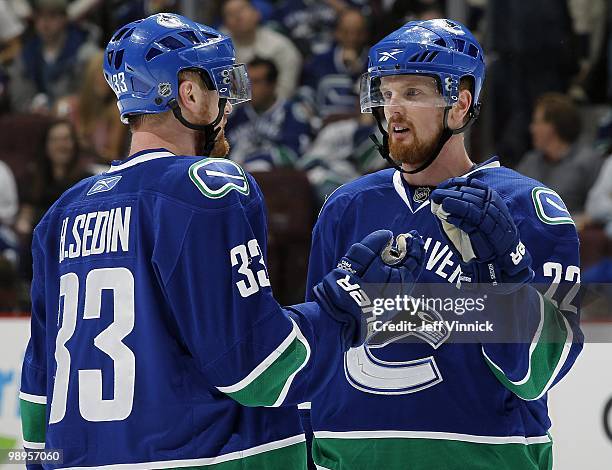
(104, 185)
(385, 55)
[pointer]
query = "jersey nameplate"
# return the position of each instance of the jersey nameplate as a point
(549, 207)
(215, 177)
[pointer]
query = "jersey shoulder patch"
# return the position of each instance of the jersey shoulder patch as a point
(216, 177)
(549, 207)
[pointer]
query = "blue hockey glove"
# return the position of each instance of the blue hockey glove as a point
(375, 261)
(481, 231)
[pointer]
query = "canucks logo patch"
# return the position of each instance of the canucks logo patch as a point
(103, 185)
(549, 207)
(215, 177)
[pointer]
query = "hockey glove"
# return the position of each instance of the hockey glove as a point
(481, 231)
(375, 261)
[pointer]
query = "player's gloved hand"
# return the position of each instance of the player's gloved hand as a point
(375, 261)
(476, 221)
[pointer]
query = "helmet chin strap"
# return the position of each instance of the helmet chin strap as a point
(447, 133)
(211, 131)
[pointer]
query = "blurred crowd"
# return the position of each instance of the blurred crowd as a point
(546, 108)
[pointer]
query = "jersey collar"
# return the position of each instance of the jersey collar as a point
(139, 157)
(492, 162)
(400, 188)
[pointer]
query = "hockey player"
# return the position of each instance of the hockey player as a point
(154, 329)
(421, 401)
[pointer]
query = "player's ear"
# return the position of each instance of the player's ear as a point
(459, 112)
(186, 93)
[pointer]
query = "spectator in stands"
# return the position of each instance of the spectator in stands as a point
(9, 205)
(96, 117)
(331, 78)
(589, 20)
(268, 131)
(8, 195)
(558, 160)
(537, 53)
(341, 152)
(58, 168)
(8, 284)
(392, 14)
(241, 20)
(599, 200)
(310, 23)
(51, 61)
(11, 28)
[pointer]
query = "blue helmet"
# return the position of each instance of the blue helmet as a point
(144, 58)
(444, 49)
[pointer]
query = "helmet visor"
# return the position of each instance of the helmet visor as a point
(232, 82)
(400, 90)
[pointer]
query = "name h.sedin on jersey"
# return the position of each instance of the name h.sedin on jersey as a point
(95, 233)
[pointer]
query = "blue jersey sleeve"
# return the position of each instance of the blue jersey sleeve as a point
(214, 275)
(547, 311)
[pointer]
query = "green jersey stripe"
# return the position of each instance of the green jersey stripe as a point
(268, 384)
(427, 454)
(33, 422)
(547, 354)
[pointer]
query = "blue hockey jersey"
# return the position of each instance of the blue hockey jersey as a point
(275, 138)
(441, 404)
(154, 331)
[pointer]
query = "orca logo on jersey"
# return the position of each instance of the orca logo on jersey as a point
(549, 207)
(216, 177)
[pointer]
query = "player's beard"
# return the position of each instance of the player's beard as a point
(417, 151)
(219, 150)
